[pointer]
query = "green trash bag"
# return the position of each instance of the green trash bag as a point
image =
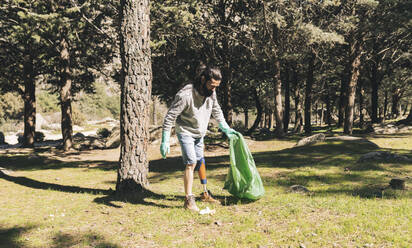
(243, 179)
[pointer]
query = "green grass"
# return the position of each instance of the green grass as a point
(55, 200)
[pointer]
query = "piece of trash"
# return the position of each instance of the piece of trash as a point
(207, 210)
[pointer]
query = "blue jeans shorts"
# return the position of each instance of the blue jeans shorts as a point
(192, 148)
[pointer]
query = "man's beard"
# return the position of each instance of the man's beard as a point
(206, 91)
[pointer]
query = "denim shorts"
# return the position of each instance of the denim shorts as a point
(192, 148)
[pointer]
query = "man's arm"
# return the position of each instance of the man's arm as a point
(177, 107)
(217, 114)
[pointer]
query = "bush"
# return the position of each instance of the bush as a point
(11, 126)
(78, 117)
(99, 104)
(47, 103)
(11, 107)
(103, 132)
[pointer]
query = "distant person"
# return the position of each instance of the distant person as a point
(191, 110)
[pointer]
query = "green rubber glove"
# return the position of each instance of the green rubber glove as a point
(165, 145)
(226, 129)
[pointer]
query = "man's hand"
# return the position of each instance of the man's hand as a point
(226, 129)
(165, 145)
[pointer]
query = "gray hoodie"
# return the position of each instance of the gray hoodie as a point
(192, 112)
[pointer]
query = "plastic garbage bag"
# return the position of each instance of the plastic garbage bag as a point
(243, 179)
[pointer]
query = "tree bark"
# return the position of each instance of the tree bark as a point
(298, 127)
(385, 105)
(65, 97)
(259, 112)
(343, 95)
(286, 116)
(136, 86)
(279, 129)
(321, 114)
(262, 119)
(405, 110)
(361, 94)
(154, 119)
(409, 118)
(375, 96)
(29, 98)
(328, 110)
(350, 107)
(308, 94)
(396, 96)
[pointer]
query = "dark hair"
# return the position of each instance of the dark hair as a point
(208, 72)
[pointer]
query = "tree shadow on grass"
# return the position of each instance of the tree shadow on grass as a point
(28, 162)
(368, 191)
(108, 199)
(63, 240)
(143, 198)
(9, 237)
(31, 183)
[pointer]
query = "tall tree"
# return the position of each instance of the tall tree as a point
(356, 33)
(136, 84)
(81, 46)
(21, 56)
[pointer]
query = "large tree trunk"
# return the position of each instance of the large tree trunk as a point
(385, 105)
(409, 118)
(328, 109)
(154, 102)
(343, 95)
(277, 83)
(375, 80)
(308, 94)
(361, 94)
(136, 86)
(65, 97)
(298, 127)
(396, 96)
(405, 111)
(350, 107)
(29, 99)
(270, 119)
(259, 112)
(286, 116)
(322, 112)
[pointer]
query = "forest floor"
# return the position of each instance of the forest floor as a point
(53, 199)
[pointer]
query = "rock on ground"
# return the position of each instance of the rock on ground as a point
(383, 156)
(299, 188)
(311, 140)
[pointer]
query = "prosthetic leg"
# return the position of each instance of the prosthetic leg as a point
(205, 196)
